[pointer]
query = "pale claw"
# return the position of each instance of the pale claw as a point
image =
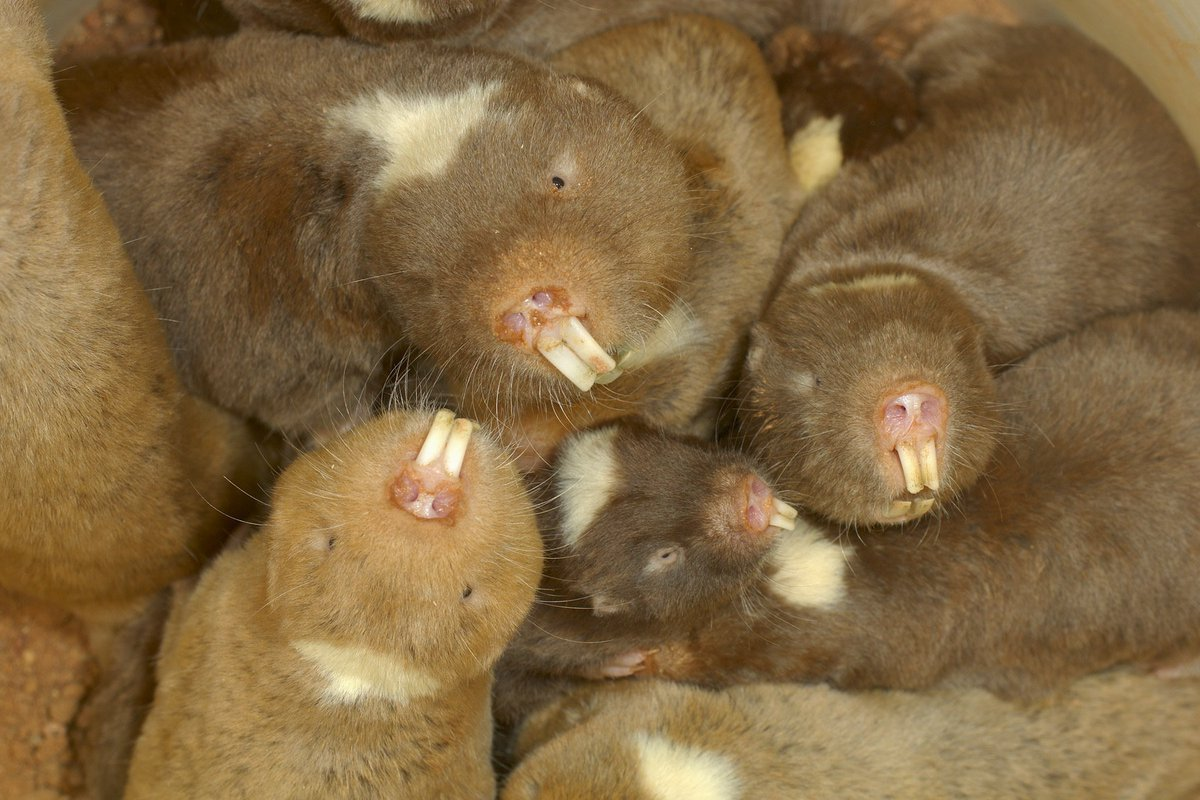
(622, 666)
(784, 516)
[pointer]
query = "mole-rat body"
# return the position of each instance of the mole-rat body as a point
(1044, 187)
(1076, 551)
(644, 533)
(705, 85)
(1117, 735)
(115, 482)
(345, 650)
(372, 20)
(320, 205)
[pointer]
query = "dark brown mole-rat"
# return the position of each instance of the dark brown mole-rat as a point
(1076, 551)
(644, 533)
(1043, 187)
(319, 205)
(345, 650)
(371, 20)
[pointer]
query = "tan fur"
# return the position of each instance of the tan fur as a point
(1077, 550)
(1117, 735)
(705, 85)
(244, 709)
(1045, 186)
(295, 274)
(115, 481)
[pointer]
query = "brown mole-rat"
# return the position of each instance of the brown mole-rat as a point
(1115, 735)
(320, 205)
(1043, 187)
(644, 533)
(1076, 551)
(371, 20)
(115, 481)
(345, 650)
(705, 85)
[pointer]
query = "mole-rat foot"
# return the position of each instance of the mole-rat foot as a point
(911, 427)
(547, 322)
(428, 487)
(763, 509)
(624, 665)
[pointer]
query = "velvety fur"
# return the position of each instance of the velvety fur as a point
(705, 85)
(379, 21)
(292, 270)
(115, 481)
(1113, 736)
(240, 711)
(605, 592)
(1076, 551)
(1044, 186)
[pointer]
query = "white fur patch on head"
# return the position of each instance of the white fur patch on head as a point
(678, 330)
(357, 673)
(804, 382)
(867, 283)
(816, 152)
(403, 11)
(586, 478)
(421, 133)
(671, 771)
(811, 570)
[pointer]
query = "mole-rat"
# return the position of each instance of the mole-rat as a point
(644, 533)
(319, 205)
(1076, 551)
(115, 481)
(345, 650)
(1115, 735)
(371, 20)
(1043, 187)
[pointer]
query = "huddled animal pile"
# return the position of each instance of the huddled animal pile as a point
(812, 424)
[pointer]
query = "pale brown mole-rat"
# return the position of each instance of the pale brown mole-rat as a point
(115, 481)
(644, 533)
(1076, 551)
(1115, 735)
(320, 205)
(345, 649)
(1044, 186)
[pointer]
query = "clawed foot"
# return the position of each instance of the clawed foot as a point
(548, 323)
(428, 487)
(624, 665)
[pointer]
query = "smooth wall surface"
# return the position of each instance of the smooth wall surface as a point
(1158, 39)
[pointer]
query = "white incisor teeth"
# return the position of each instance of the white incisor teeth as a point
(910, 467)
(447, 440)
(783, 516)
(929, 464)
(573, 352)
(435, 440)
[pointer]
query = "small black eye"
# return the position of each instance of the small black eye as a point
(467, 592)
(558, 182)
(332, 541)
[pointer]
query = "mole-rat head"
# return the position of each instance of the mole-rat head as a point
(831, 365)
(528, 226)
(649, 526)
(405, 543)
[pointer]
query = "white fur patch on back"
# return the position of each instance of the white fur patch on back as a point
(421, 134)
(671, 771)
(868, 283)
(586, 479)
(816, 152)
(357, 673)
(677, 330)
(394, 10)
(811, 569)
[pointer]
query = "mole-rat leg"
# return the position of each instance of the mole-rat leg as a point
(547, 322)
(623, 665)
(428, 486)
